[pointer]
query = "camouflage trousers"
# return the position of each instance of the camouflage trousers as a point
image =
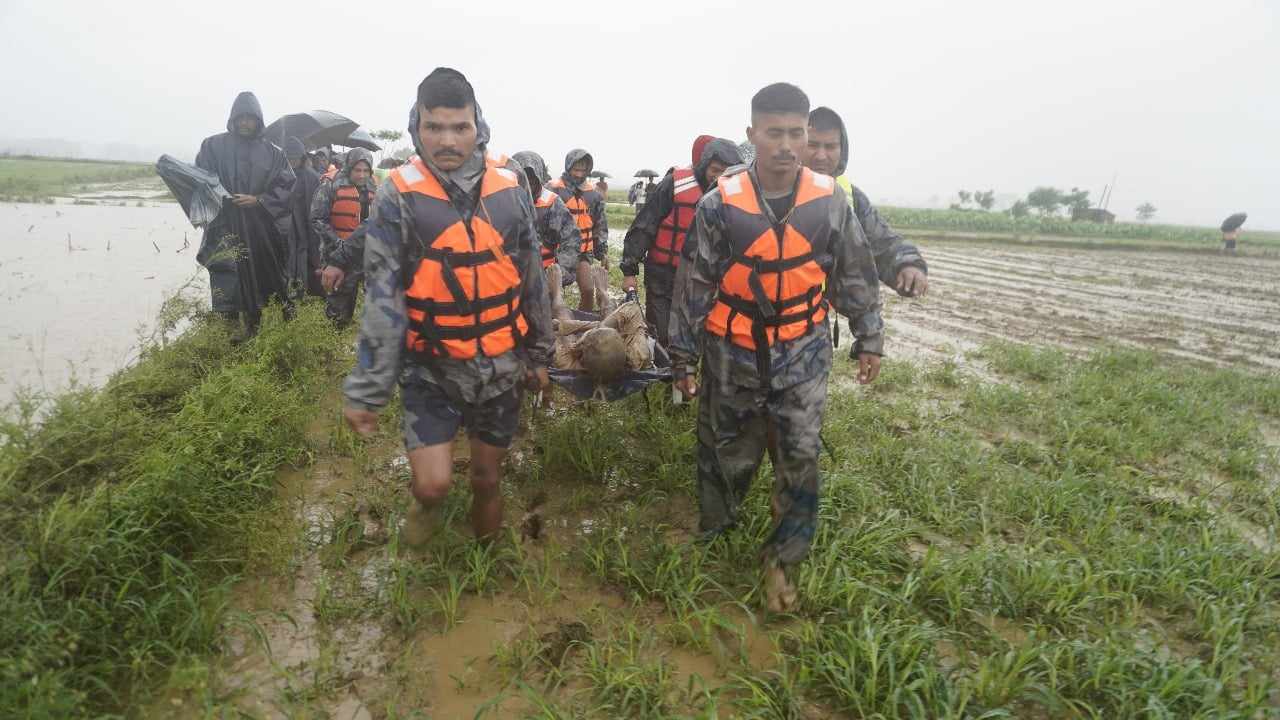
(736, 425)
(340, 305)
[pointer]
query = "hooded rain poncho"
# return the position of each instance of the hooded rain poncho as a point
(245, 249)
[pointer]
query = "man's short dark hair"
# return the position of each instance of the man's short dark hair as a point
(780, 99)
(824, 119)
(445, 88)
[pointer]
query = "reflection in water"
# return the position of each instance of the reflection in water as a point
(78, 282)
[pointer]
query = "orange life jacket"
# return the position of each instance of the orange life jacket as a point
(773, 289)
(350, 208)
(580, 207)
(463, 296)
(669, 240)
(542, 206)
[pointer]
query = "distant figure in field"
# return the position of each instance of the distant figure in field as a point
(1231, 232)
(244, 248)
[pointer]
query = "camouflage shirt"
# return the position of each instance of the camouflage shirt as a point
(380, 358)
(892, 253)
(331, 246)
(558, 232)
(595, 206)
(852, 287)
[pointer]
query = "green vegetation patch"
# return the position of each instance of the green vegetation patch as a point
(32, 177)
(123, 509)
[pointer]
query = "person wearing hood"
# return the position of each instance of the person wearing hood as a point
(245, 248)
(556, 229)
(320, 161)
(457, 307)
(899, 263)
(770, 254)
(303, 267)
(339, 207)
(657, 235)
(587, 205)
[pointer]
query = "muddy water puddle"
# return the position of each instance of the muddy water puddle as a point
(79, 282)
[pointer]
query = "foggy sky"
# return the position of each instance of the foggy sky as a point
(1178, 99)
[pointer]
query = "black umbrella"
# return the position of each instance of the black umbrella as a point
(199, 192)
(1233, 223)
(646, 174)
(599, 174)
(361, 139)
(315, 128)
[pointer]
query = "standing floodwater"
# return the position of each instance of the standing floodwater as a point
(79, 310)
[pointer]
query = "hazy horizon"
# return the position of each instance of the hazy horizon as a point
(1169, 97)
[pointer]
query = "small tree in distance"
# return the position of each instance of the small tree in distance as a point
(1146, 211)
(1045, 200)
(985, 200)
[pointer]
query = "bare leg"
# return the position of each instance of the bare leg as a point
(486, 488)
(586, 287)
(432, 468)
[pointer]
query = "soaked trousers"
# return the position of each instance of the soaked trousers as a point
(658, 285)
(340, 305)
(736, 425)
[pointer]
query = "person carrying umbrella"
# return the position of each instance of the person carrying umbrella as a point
(657, 235)
(586, 203)
(1231, 232)
(458, 309)
(899, 263)
(303, 264)
(769, 255)
(339, 208)
(245, 247)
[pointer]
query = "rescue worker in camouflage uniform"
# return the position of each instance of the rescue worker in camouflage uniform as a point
(458, 309)
(900, 264)
(587, 205)
(555, 225)
(337, 211)
(657, 235)
(770, 252)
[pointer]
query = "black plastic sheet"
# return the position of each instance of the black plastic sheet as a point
(198, 192)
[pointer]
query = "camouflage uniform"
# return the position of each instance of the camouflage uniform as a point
(554, 222)
(340, 305)
(892, 253)
(595, 203)
(741, 413)
(660, 277)
(441, 394)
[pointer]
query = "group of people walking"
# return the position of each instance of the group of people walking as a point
(746, 263)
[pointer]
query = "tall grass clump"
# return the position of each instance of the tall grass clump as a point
(122, 509)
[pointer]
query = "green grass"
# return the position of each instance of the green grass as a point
(1078, 536)
(994, 222)
(128, 510)
(34, 178)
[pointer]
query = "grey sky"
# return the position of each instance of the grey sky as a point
(1177, 98)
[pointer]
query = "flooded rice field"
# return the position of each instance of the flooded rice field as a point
(1199, 307)
(78, 283)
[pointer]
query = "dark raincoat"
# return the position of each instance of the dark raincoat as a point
(304, 244)
(245, 249)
